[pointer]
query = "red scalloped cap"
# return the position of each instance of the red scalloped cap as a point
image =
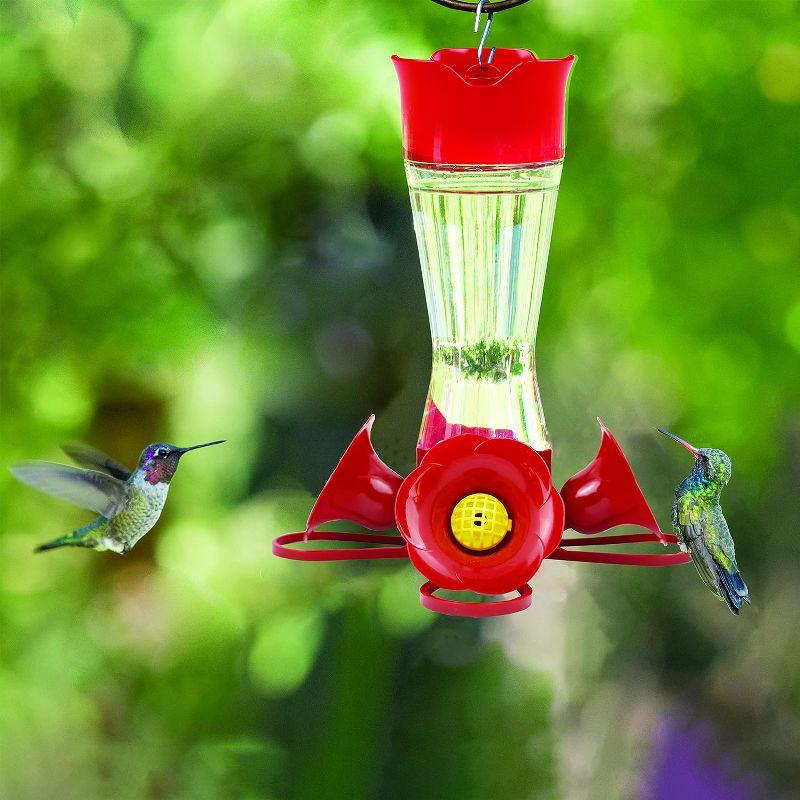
(512, 111)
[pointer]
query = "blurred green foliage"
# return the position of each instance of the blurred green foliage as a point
(205, 232)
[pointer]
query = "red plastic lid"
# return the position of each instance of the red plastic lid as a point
(509, 112)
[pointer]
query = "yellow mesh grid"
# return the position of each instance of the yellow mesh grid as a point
(480, 521)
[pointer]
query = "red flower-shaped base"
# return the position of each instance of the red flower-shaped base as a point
(507, 469)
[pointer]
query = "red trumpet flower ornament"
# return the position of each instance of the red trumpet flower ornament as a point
(605, 493)
(361, 488)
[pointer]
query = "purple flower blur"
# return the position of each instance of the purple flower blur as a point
(687, 764)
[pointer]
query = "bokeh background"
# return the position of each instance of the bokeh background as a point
(206, 234)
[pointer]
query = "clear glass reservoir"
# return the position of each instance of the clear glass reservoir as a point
(484, 235)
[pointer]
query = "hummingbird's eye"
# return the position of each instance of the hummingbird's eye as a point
(161, 452)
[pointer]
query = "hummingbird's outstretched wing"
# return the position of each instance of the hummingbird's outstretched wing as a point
(86, 488)
(92, 458)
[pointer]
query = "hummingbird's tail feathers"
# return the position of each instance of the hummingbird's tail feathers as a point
(63, 541)
(733, 602)
(738, 584)
(90, 536)
(728, 581)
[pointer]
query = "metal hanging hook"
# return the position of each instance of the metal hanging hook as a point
(463, 5)
(489, 18)
(478, 12)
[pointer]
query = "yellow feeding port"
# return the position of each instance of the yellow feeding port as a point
(480, 522)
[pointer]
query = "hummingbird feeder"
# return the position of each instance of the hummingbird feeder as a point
(483, 140)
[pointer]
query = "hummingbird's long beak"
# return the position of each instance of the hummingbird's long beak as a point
(693, 450)
(181, 450)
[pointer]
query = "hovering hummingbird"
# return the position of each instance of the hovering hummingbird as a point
(129, 503)
(701, 527)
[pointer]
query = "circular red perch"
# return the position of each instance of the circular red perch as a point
(564, 553)
(390, 546)
(459, 608)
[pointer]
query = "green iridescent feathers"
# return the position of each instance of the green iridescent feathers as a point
(701, 526)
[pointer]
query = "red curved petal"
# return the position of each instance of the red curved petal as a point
(526, 460)
(415, 488)
(515, 451)
(552, 534)
(455, 447)
(503, 577)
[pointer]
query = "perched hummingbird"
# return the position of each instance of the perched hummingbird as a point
(129, 503)
(701, 527)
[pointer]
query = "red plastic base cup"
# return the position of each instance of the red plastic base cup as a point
(389, 546)
(563, 553)
(459, 608)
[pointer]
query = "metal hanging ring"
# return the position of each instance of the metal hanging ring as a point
(488, 7)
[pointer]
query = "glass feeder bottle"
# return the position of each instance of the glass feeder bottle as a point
(483, 153)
